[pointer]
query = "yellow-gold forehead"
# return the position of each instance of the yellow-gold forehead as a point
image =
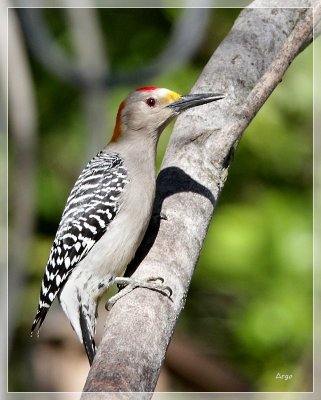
(166, 96)
(172, 96)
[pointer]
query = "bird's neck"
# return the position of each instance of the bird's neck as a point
(136, 149)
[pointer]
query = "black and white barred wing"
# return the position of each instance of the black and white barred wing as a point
(92, 205)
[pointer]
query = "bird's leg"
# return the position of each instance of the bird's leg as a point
(129, 284)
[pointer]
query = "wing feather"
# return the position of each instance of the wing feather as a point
(93, 203)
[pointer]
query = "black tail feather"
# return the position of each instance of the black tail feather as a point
(88, 340)
(40, 316)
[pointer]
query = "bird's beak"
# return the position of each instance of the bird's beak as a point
(193, 100)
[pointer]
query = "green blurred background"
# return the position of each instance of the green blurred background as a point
(249, 309)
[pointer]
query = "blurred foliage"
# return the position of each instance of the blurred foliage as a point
(250, 300)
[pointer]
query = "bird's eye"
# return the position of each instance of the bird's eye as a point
(151, 102)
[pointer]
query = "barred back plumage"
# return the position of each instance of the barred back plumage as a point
(93, 203)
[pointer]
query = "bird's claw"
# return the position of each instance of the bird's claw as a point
(129, 284)
(161, 216)
(162, 288)
(159, 278)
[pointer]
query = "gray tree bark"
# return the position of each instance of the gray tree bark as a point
(247, 66)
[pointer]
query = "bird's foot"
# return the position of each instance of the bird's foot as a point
(160, 216)
(128, 284)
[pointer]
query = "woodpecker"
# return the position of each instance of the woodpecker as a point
(108, 211)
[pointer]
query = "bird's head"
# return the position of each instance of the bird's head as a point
(149, 109)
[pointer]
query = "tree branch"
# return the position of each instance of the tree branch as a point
(88, 44)
(187, 33)
(247, 66)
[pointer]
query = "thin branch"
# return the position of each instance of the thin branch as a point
(188, 31)
(189, 362)
(247, 66)
(90, 51)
